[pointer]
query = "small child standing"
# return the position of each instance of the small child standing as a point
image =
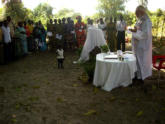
(60, 56)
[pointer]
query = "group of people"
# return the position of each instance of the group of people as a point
(65, 33)
(114, 32)
(69, 35)
(19, 40)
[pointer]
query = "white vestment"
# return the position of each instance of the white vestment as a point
(142, 47)
(95, 37)
(102, 27)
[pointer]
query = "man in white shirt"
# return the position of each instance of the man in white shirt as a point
(102, 26)
(7, 42)
(121, 27)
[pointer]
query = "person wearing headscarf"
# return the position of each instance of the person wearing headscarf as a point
(80, 31)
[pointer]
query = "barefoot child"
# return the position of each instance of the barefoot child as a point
(60, 56)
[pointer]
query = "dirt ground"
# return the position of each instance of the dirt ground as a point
(34, 91)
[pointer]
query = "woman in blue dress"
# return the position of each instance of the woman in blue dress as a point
(43, 46)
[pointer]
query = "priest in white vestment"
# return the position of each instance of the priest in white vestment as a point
(142, 43)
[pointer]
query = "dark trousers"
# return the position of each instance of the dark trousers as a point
(2, 53)
(121, 40)
(7, 52)
(60, 63)
(12, 49)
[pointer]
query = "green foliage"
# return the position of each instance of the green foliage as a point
(43, 12)
(16, 11)
(67, 13)
(1, 14)
(89, 66)
(158, 23)
(130, 18)
(79, 50)
(108, 8)
(96, 16)
(143, 2)
(104, 48)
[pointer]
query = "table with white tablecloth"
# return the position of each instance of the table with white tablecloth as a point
(112, 73)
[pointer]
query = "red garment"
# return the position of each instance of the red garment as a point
(27, 31)
(80, 33)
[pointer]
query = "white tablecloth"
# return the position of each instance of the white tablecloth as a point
(95, 37)
(110, 73)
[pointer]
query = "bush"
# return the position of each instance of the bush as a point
(104, 48)
(89, 66)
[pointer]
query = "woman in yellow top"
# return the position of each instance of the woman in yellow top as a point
(111, 35)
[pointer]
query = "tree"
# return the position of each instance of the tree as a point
(67, 13)
(109, 8)
(143, 2)
(15, 1)
(43, 12)
(15, 9)
(130, 18)
(64, 13)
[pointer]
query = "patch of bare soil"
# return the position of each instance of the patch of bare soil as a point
(34, 91)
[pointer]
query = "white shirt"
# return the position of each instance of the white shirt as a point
(101, 26)
(6, 32)
(121, 25)
(60, 53)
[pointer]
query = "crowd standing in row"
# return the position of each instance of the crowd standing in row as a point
(72, 35)
(26, 37)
